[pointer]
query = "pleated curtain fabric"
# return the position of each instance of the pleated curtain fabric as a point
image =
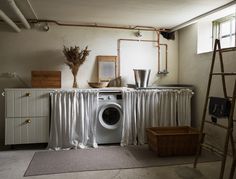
(184, 107)
(74, 115)
(73, 119)
(167, 108)
(153, 108)
(129, 128)
(147, 112)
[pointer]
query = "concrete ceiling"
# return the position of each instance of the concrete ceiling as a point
(158, 13)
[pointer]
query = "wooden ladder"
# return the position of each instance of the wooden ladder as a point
(229, 127)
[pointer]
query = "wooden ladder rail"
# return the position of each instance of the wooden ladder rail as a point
(229, 128)
(232, 170)
(230, 120)
(199, 148)
(229, 134)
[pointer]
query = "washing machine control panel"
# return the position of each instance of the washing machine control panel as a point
(110, 97)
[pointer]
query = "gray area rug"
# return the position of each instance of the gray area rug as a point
(104, 158)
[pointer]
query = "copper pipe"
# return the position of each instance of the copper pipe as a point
(146, 27)
(136, 40)
(166, 56)
(143, 28)
(154, 28)
(158, 51)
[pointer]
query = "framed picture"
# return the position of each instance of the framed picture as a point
(107, 68)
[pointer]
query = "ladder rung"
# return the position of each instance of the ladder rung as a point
(212, 148)
(224, 73)
(229, 97)
(227, 49)
(215, 124)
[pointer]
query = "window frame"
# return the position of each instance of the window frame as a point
(216, 24)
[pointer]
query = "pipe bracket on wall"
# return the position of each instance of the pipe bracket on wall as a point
(164, 72)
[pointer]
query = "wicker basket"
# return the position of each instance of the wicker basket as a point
(171, 141)
(98, 84)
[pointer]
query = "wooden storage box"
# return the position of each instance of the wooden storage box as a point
(171, 141)
(46, 79)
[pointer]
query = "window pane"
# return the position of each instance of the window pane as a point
(233, 26)
(233, 41)
(225, 42)
(225, 28)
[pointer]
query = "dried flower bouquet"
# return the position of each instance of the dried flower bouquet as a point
(75, 58)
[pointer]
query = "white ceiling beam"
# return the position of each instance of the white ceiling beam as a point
(19, 13)
(6, 19)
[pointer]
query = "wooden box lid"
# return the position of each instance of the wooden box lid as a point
(46, 79)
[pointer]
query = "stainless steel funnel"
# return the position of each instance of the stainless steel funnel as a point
(141, 77)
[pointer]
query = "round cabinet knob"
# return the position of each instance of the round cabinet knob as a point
(28, 94)
(27, 121)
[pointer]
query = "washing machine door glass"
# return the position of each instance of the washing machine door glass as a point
(110, 115)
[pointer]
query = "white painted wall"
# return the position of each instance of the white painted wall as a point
(38, 50)
(143, 55)
(194, 69)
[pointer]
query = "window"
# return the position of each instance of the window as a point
(224, 30)
(218, 25)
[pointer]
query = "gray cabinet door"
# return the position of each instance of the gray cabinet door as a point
(26, 130)
(27, 116)
(27, 103)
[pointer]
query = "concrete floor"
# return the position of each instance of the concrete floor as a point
(13, 164)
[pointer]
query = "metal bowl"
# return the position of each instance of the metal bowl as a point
(98, 84)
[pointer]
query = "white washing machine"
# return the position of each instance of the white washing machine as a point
(110, 114)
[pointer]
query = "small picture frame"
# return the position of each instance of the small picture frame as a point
(107, 68)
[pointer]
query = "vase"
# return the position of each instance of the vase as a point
(75, 84)
(74, 71)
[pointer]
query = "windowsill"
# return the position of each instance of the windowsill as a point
(223, 50)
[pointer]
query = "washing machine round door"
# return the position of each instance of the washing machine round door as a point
(110, 115)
